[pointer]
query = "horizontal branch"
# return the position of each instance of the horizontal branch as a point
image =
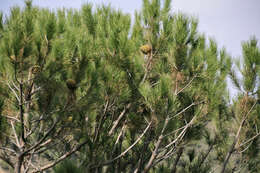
(7, 149)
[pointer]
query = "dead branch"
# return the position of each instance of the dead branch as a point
(157, 145)
(116, 122)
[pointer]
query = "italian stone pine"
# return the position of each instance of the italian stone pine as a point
(91, 90)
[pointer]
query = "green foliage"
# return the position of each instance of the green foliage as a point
(67, 166)
(94, 86)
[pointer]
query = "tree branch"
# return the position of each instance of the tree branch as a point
(123, 153)
(186, 85)
(21, 111)
(249, 140)
(15, 94)
(16, 137)
(179, 153)
(101, 122)
(193, 104)
(6, 160)
(67, 154)
(157, 145)
(180, 136)
(7, 149)
(231, 150)
(42, 139)
(116, 122)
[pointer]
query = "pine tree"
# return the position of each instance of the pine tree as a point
(103, 93)
(246, 110)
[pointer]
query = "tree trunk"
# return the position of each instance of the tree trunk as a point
(19, 163)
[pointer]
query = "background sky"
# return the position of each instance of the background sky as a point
(229, 22)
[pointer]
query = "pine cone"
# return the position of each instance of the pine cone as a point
(71, 84)
(35, 69)
(146, 49)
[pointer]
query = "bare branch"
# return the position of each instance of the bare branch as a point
(249, 140)
(231, 150)
(36, 90)
(15, 134)
(186, 109)
(101, 122)
(16, 87)
(180, 136)
(13, 118)
(7, 149)
(175, 131)
(43, 144)
(157, 145)
(15, 94)
(29, 163)
(123, 153)
(120, 134)
(67, 154)
(186, 85)
(116, 122)
(21, 111)
(179, 153)
(42, 139)
(246, 148)
(150, 57)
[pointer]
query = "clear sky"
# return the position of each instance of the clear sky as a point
(228, 21)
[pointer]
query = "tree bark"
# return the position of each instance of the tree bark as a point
(19, 163)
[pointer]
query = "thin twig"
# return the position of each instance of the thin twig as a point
(181, 134)
(13, 118)
(186, 85)
(231, 150)
(249, 140)
(185, 109)
(16, 96)
(157, 145)
(101, 122)
(42, 139)
(116, 122)
(120, 134)
(123, 153)
(16, 137)
(7, 149)
(246, 148)
(67, 154)
(15, 86)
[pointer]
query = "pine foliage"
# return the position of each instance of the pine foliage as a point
(122, 95)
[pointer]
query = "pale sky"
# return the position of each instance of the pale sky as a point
(229, 22)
